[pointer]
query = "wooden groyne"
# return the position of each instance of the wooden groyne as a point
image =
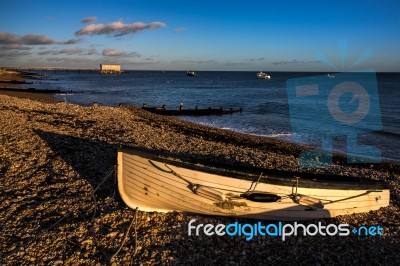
(31, 90)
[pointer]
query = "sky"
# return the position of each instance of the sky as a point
(203, 35)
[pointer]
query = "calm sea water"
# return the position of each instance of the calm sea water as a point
(265, 102)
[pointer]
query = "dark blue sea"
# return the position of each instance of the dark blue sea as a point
(270, 107)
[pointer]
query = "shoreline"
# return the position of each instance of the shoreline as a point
(56, 207)
(49, 98)
(8, 77)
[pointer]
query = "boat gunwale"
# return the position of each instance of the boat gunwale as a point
(251, 173)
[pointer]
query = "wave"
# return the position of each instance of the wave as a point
(64, 94)
(286, 136)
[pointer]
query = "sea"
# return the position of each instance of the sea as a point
(366, 120)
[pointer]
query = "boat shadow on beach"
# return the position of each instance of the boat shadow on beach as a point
(91, 160)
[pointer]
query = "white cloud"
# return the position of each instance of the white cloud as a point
(31, 39)
(89, 20)
(118, 28)
(70, 41)
(114, 53)
(72, 51)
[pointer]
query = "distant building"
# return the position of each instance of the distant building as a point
(110, 68)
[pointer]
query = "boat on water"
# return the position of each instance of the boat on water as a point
(156, 182)
(191, 73)
(162, 110)
(262, 75)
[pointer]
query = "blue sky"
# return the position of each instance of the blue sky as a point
(203, 35)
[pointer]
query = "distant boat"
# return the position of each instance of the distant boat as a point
(331, 76)
(262, 75)
(191, 73)
(152, 182)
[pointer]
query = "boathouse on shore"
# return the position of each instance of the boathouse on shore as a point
(110, 69)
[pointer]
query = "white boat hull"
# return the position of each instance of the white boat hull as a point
(144, 182)
(262, 75)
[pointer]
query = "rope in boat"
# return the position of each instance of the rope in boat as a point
(295, 196)
(140, 165)
(170, 171)
(211, 192)
(255, 184)
(226, 189)
(180, 176)
(352, 197)
(201, 190)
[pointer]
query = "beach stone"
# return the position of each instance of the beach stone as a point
(53, 156)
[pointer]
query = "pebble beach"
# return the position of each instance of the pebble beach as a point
(59, 201)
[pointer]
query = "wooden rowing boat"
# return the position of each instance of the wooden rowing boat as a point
(153, 182)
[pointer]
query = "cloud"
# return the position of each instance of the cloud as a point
(31, 39)
(89, 20)
(70, 41)
(92, 51)
(178, 30)
(200, 61)
(7, 38)
(234, 64)
(153, 58)
(70, 60)
(73, 51)
(294, 61)
(113, 53)
(256, 59)
(47, 52)
(13, 53)
(15, 47)
(117, 28)
(282, 62)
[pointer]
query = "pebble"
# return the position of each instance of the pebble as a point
(53, 155)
